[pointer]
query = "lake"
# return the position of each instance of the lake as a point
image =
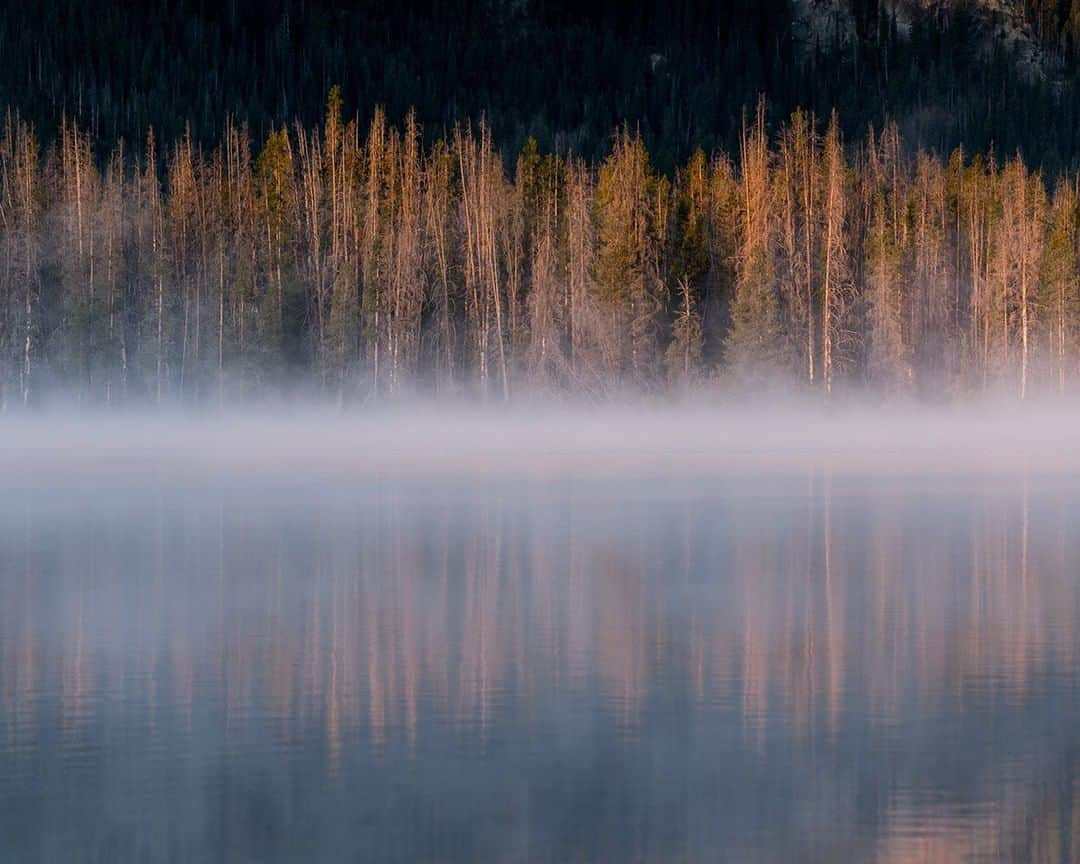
(800, 664)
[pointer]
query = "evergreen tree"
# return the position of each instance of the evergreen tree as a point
(1059, 292)
(754, 344)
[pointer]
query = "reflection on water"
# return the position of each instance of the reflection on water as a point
(807, 669)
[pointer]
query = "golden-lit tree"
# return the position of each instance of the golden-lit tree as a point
(358, 264)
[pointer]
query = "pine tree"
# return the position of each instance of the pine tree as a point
(540, 183)
(1059, 291)
(587, 323)
(888, 351)
(631, 217)
(978, 206)
(276, 201)
(930, 297)
(754, 344)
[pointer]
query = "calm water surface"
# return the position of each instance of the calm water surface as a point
(798, 667)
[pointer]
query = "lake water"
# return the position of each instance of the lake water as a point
(798, 665)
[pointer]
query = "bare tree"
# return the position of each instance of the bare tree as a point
(836, 286)
(1019, 253)
(797, 195)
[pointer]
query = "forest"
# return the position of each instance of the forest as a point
(565, 72)
(354, 262)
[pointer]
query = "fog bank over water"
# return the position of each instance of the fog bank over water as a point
(319, 446)
(628, 634)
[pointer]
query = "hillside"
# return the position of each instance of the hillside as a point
(979, 73)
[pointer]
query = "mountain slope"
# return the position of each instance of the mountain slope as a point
(565, 72)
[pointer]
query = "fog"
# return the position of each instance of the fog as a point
(545, 633)
(310, 445)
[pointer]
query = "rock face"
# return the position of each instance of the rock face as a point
(1000, 23)
(821, 20)
(997, 24)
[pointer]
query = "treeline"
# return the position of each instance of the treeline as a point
(355, 263)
